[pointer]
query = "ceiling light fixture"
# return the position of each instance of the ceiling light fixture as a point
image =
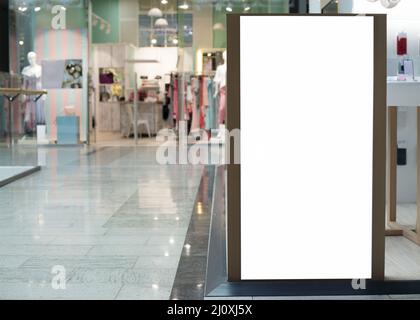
(175, 41)
(184, 6)
(155, 12)
(229, 8)
(154, 41)
(161, 23)
(37, 9)
(247, 8)
(164, 2)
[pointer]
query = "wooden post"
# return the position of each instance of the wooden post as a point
(392, 165)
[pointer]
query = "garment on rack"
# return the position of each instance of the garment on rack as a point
(175, 99)
(211, 108)
(34, 110)
(165, 108)
(195, 90)
(187, 105)
(204, 102)
(222, 105)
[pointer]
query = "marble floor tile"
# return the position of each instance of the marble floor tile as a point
(152, 262)
(111, 214)
(40, 250)
(121, 276)
(100, 262)
(44, 291)
(153, 292)
(12, 261)
(135, 250)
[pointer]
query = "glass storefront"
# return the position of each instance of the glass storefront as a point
(71, 39)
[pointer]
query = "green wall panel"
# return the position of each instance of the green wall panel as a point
(110, 11)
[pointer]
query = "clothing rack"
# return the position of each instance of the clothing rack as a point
(12, 93)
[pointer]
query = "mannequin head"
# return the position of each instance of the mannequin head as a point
(32, 58)
(224, 57)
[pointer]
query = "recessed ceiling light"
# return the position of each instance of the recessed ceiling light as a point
(154, 41)
(21, 43)
(175, 41)
(229, 8)
(36, 9)
(164, 2)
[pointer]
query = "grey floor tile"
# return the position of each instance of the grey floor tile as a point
(132, 292)
(135, 250)
(100, 262)
(46, 292)
(93, 211)
(12, 261)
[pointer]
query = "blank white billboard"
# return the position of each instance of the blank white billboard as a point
(306, 147)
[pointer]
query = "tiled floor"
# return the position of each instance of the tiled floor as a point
(113, 217)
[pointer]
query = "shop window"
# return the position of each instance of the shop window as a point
(150, 35)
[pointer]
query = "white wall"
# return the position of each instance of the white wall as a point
(404, 17)
(167, 62)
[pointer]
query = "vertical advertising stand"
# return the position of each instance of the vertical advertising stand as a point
(307, 201)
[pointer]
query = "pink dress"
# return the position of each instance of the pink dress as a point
(222, 105)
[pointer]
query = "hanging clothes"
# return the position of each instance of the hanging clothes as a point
(34, 110)
(211, 108)
(175, 114)
(222, 105)
(204, 102)
(195, 90)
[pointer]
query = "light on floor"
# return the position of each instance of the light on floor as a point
(199, 208)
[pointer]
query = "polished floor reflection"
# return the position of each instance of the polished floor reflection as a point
(111, 216)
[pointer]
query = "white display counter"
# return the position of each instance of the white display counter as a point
(400, 94)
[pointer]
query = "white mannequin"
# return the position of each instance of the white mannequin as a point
(34, 110)
(33, 69)
(220, 77)
(220, 83)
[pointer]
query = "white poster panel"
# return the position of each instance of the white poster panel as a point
(306, 147)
